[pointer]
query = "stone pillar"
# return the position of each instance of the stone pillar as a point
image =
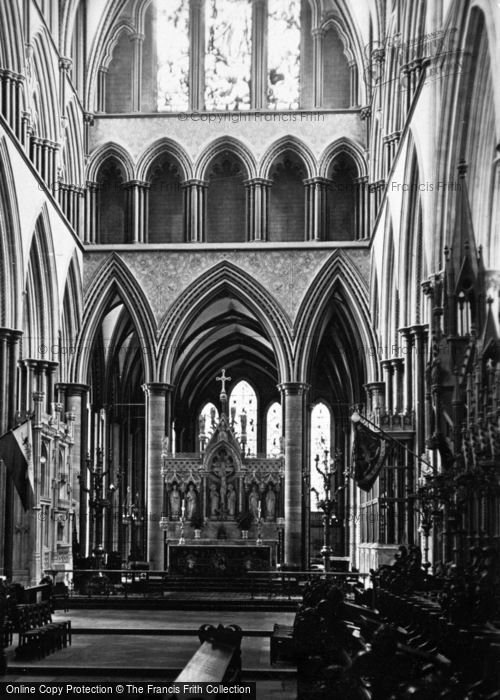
(376, 399)
(156, 428)
(91, 213)
(196, 55)
(259, 55)
(257, 205)
(36, 523)
(101, 89)
(418, 335)
(317, 35)
(137, 208)
(388, 372)
(316, 194)
(353, 76)
(408, 370)
(76, 404)
(137, 40)
(65, 65)
(293, 399)
(194, 210)
(397, 388)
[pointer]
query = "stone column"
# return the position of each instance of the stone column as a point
(76, 404)
(376, 399)
(196, 55)
(91, 213)
(353, 76)
(65, 65)
(388, 373)
(293, 399)
(36, 523)
(408, 370)
(259, 55)
(137, 193)
(316, 194)
(418, 335)
(397, 388)
(137, 40)
(156, 428)
(194, 210)
(318, 35)
(101, 89)
(257, 204)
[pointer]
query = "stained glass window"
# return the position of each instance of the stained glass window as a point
(243, 404)
(320, 446)
(273, 430)
(207, 420)
(228, 56)
(283, 54)
(172, 41)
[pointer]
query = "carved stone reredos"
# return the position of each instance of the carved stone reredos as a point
(222, 444)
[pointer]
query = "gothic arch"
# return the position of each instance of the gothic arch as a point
(70, 317)
(168, 147)
(99, 156)
(288, 143)
(47, 81)
(11, 38)
(227, 277)
(225, 143)
(338, 272)
(11, 250)
(113, 278)
(40, 323)
(342, 145)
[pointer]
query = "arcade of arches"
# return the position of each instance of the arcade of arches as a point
(315, 219)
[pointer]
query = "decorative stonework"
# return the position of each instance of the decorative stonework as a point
(164, 275)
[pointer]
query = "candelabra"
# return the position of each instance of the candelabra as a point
(182, 539)
(327, 503)
(258, 541)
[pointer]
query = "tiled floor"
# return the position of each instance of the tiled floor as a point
(126, 655)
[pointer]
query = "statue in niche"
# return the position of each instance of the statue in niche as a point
(175, 501)
(254, 502)
(222, 469)
(191, 502)
(214, 501)
(231, 501)
(270, 503)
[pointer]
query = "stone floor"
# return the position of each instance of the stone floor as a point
(137, 645)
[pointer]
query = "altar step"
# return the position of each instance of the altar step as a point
(192, 600)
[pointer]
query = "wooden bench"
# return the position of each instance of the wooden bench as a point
(218, 659)
(38, 635)
(282, 644)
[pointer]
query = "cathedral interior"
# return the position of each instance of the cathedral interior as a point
(249, 328)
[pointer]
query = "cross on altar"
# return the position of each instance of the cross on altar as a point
(223, 379)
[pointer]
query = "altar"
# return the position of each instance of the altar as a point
(216, 560)
(222, 509)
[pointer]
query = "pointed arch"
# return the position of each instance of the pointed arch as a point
(41, 292)
(11, 249)
(279, 147)
(339, 273)
(71, 316)
(231, 279)
(164, 146)
(44, 74)
(11, 38)
(107, 150)
(337, 148)
(114, 279)
(225, 143)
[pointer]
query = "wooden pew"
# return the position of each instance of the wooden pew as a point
(218, 659)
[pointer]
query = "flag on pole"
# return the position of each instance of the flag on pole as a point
(16, 454)
(369, 452)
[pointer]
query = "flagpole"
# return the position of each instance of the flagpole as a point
(357, 418)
